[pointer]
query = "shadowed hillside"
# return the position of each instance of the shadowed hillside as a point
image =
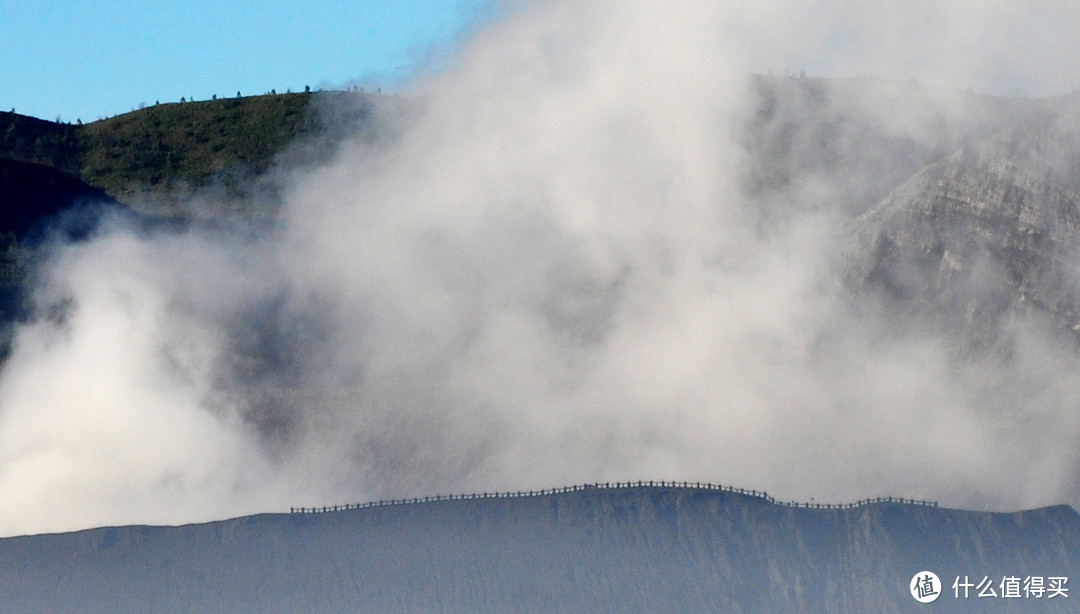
(627, 549)
(30, 194)
(29, 139)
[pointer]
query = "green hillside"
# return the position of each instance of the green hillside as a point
(190, 145)
(162, 153)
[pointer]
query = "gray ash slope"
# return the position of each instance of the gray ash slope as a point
(630, 549)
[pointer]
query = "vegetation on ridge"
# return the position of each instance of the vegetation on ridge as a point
(167, 151)
(191, 144)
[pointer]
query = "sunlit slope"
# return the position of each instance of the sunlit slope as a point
(641, 549)
(166, 152)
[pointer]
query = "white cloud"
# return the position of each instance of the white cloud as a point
(553, 274)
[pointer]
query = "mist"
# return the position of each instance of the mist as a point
(568, 263)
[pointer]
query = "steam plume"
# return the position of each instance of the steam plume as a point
(556, 270)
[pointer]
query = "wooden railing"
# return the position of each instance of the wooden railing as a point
(611, 486)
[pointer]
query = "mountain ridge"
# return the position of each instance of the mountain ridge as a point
(169, 150)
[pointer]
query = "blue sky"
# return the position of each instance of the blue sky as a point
(85, 59)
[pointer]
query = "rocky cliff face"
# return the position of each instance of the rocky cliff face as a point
(987, 237)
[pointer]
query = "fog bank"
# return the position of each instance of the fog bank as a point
(576, 261)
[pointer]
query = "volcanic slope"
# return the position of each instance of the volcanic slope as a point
(630, 548)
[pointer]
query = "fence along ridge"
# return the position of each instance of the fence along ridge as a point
(611, 486)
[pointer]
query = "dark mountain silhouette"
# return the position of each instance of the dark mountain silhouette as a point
(31, 193)
(625, 549)
(29, 139)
